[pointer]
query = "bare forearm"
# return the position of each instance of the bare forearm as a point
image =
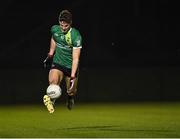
(74, 67)
(52, 47)
(75, 61)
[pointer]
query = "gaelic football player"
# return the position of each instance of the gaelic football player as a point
(65, 49)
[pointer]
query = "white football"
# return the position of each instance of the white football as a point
(53, 91)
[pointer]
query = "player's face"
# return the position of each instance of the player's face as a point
(64, 26)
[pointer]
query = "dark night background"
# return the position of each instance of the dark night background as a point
(130, 49)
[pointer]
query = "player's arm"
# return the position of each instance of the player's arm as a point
(47, 62)
(75, 60)
(52, 47)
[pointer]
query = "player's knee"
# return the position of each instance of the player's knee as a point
(72, 92)
(53, 81)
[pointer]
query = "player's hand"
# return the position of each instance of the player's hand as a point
(72, 80)
(47, 62)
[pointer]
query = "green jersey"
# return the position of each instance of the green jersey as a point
(65, 43)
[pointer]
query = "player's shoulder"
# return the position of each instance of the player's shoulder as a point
(54, 28)
(75, 31)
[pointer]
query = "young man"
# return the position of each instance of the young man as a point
(65, 49)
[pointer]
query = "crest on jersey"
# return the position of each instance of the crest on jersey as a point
(62, 37)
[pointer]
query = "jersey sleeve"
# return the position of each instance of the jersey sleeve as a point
(53, 29)
(77, 43)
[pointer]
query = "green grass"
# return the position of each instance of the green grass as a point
(127, 120)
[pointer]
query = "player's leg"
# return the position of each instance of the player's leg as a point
(55, 77)
(71, 93)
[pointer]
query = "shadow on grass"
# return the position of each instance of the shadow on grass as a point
(115, 128)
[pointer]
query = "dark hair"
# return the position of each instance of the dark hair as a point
(66, 16)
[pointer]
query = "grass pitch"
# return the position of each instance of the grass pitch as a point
(126, 120)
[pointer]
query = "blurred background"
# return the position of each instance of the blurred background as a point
(130, 49)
